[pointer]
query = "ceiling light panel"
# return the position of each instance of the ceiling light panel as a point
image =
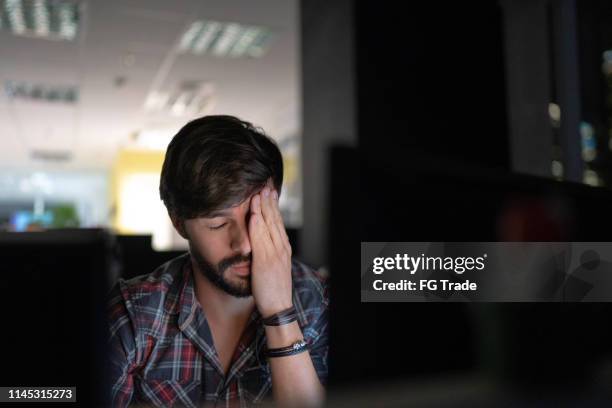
(190, 98)
(47, 19)
(16, 90)
(225, 39)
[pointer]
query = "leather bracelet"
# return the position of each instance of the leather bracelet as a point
(281, 318)
(296, 348)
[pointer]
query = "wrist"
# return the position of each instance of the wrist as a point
(282, 336)
(272, 309)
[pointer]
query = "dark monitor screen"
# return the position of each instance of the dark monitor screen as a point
(53, 286)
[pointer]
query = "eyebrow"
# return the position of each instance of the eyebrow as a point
(218, 213)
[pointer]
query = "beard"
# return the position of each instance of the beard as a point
(216, 275)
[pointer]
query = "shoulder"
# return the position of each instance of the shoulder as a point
(310, 291)
(146, 299)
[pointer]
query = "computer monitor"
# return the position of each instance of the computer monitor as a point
(53, 287)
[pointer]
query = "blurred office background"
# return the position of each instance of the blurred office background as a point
(93, 91)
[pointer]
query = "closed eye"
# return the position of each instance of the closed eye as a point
(216, 227)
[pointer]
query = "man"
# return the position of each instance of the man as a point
(236, 319)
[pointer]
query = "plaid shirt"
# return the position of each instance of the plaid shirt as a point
(161, 347)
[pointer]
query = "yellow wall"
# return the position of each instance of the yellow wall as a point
(127, 163)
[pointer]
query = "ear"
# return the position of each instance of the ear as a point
(179, 225)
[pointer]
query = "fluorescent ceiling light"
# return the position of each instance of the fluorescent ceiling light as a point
(260, 44)
(225, 39)
(41, 18)
(41, 92)
(246, 40)
(14, 11)
(189, 99)
(189, 36)
(48, 19)
(156, 101)
(205, 37)
(67, 21)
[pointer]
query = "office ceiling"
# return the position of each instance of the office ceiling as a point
(125, 52)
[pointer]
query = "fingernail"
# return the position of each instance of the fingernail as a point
(266, 192)
(275, 195)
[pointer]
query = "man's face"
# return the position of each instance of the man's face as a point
(220, 245)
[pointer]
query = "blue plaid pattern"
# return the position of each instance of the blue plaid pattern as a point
(162, 351)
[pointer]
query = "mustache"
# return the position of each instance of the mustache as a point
(236, 259)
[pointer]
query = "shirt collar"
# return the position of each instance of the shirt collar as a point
(192, 322)
(187, 301)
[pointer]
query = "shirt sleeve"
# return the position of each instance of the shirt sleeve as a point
(319, 343)
(121, 349)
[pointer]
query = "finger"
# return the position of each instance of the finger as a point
(258, 231)
(268, 211)
(280, 222)
(279, 225)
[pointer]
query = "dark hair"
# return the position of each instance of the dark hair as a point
(216, 162)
